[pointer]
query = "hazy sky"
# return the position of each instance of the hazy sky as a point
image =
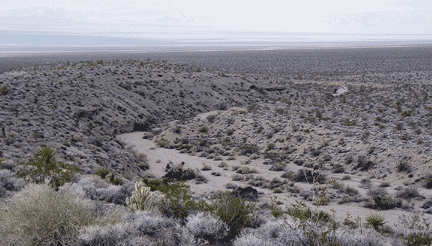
(135, 17)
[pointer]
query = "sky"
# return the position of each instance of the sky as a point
(186, 18)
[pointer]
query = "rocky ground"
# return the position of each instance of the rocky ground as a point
(347, 127)
(79, 108)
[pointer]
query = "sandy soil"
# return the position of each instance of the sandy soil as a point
(159, 157)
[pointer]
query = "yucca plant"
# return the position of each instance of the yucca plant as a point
(45, 169)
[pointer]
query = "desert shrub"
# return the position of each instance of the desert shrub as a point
(275, 183)
(348, 122)
(271, 233)
(201, 179)
(233, 211)
(380, 199)
(406, 113)
(97, 189)
(288, 175)
(109, 235)
(8, 182)
(349, 159)
(249, 149)
(415, 229)
(206, 226)
(427, 204)
(346, 177)
(360, 237)
(206, 167)
(230, 185)
(4, 90)
(223, 165)
(142, 198)
(301, 212)
(246, 170)
(178, 202)
(237, 177)
(366, 183)
(247, 193)
(290, 233)
(309, 176)
(309, 227)
(409, 193)
(403, 166)
(280, 166)
(178, 173)
(203, 129)
(375, 220)
(428, 181)
(364, 164)
(385, 184)
(211, 118)
(337, 185)
(156, 184)
(275, 211)
(177, 129)
(277, 190)
(116, 180)
(338, 168)
(323, 199)
(314, 151)
(351, 191)
(148, 223)
(44, 168)
(216, 173)
(312, 227)
(102, 172)
(38, 215)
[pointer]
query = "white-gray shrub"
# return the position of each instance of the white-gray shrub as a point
(276, 232)
(287, 232)
(9, 182)
(361, 237)
(185, 237)
(147, 223)
(95, 189)
(117, 234)
(206, 226)
(250, 239)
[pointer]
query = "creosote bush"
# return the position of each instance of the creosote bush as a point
(177, 202)
(234, 211)
(380, 199)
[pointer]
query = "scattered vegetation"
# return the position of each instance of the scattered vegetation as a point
(319, 134)
(4, 90)
(44, 168)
